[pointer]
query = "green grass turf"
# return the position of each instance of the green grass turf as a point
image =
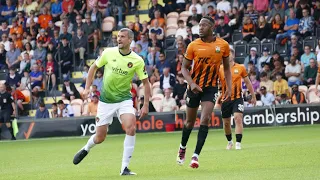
(268, 153)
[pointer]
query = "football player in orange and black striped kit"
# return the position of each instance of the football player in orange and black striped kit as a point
(204, 56)
(235, 106)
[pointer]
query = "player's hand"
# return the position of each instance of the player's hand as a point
(85, 93)
(254, 101)
(195, 88)
(144, 111)
(227, 95)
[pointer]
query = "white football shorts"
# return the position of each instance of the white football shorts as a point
(107, 110)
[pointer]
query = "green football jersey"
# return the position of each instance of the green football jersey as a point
(119, 71)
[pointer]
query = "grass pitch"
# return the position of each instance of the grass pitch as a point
(268, 153)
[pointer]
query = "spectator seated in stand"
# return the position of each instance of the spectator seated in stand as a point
(293, 72)
(80, 44)
(12, 56)
(64, 110)
(248, 29)
(305, 58)
(291, 27)
(54, 112)
(306, 24)
(13, 79)
(36, 81)
(280, 87)
(157, 30)
(94, 92)
(297, 96)
(50, 71)
(168, 103)
(98, 80)
(267, 98)
(310, 73)
(266, 82)
(42, 112)
(93, 106)
(69, 90)
(179, 91)
(167, 79)
(223, 30)
(18, 97)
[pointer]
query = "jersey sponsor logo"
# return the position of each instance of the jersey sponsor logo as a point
(119, 71)
(236, 71)
(217, 49)
(130, 65)
(204, 60)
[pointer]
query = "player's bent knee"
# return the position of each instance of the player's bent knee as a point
(131, 130)
(189, 124)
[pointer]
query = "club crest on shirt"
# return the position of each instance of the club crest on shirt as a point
(236, 71)
(217, 49)
(130, 65)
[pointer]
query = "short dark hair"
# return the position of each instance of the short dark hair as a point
(42, 104)
(209, 18)
(180, 22)
(263, 74)
(54, 104)
(60, 102)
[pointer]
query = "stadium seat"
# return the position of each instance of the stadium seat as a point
(66, 101)
(50, 100)
(236, 36)
(171, 32)
(157, 101)
(77, 75)
(259, 103)
(169, 41)
(80, 89)
(240, 59)
(310, 41)
(268, 43)
(77, 106)
(85, 108)
(312, 97)
(281, 49)
(304, 89)
(77, 84)
(171, 54)
(108, 24)
(172, 26)
(185, 14)
(240, 48)
(173, 15)
(254, 43)
(89, 62)
(172, 21)
(32, 113)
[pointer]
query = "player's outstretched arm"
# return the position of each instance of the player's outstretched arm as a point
(250, 88)
(147, 93)
(186, 64)
(227, 75)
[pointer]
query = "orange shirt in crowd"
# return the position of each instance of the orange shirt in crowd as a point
(17, 94)
(161, 22)
(17, 30)
(44, 20)
(238, 72)
(18, 44)
(207, 58)
(65, 5)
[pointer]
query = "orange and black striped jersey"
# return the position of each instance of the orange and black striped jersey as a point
(238, 72)
(207, 58)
